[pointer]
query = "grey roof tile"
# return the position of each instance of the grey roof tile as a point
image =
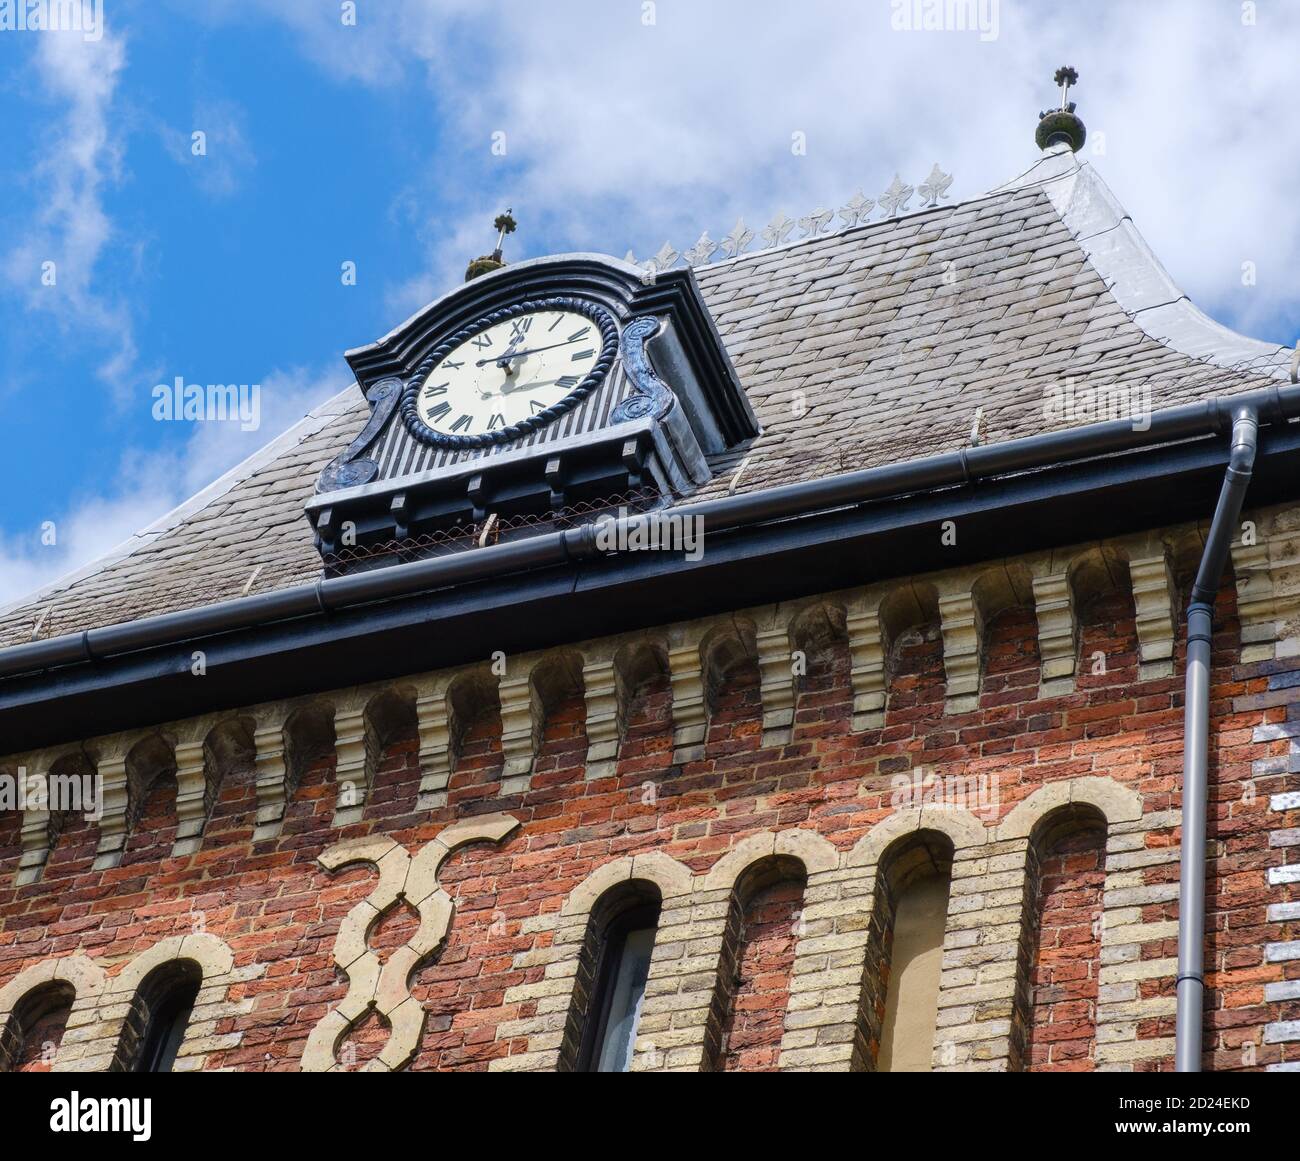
(893, 352)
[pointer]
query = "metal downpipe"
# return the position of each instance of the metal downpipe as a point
(1196, 743)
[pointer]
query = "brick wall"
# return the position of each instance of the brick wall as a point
(1077, 967)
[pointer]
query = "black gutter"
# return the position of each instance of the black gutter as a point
(1207, 417)
(840, 547)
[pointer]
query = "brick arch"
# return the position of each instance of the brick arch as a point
(907, 864)
(471, 695)
(77, 974)
(807, 847)
(199, 957)
(151, 758)
(365, 725)
(41, 830)
(588, 910)
(1057, 811)
(818, 624)
(308, 736)
(227, 749)
(996, 593)
(904, 611)
(912, 605)
(1100, 576)
(638, 664)
(724, 649)
(1059, 966)
(759, 883)
(1116, 802)
(962, 828)
(818, 632)
(671, 877)
(554, 679)
(389, 717)
(1096, 571)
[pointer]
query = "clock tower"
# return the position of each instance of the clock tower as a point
(540, 392)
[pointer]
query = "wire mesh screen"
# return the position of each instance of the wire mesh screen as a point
(492, 529)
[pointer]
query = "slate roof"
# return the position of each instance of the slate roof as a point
(894, 333)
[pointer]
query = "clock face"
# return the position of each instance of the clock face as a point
(508, 373)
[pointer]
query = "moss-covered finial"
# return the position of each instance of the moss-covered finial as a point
(1061, 124)
(503, 224)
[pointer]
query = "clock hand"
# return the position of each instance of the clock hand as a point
(506, 389)
(504, 360)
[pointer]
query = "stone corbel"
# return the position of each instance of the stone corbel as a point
(600, 683)
(433, 722)
(1267, 570)
(959, 622)
(867, 659)
(191, 794)
(354, 764)
(686, 675)
(776, 674)
(1058, 627)
(1154, 601)
(270, 762)
(520, 733)
(34, 834)
(111, 772)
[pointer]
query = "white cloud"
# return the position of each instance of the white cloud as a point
(150, 483)
(621, 134)
(80, 157)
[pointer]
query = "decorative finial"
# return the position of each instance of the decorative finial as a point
(1065, 76)
(503, 224)
(1061, 125)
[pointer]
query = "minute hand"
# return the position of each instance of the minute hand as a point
(506, 389)
(502, 360)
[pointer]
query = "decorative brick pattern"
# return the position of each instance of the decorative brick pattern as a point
(654, 754)
(381, 986)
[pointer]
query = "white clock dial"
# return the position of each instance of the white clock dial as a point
(509, 372)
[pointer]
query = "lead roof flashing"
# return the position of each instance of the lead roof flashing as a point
(1138, 279)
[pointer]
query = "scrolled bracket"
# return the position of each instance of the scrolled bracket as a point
(345, 470)
(652, 396)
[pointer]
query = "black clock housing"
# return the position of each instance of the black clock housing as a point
(657, 413)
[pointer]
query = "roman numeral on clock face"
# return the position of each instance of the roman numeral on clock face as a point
(582, 334)
(462, 424)
(520, 326)
(440, 389)
(536, 407)
(587, 354)
(497, 420)
(567, 381)
(482, 341)
(438, 412)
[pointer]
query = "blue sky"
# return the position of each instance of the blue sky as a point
(624, 124)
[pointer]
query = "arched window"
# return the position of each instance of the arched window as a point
(900, 1003)
(1055, 1027)
(33, 1033)
(611, 983)
(912, 1003)
(159, 1015)
(752, 992)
